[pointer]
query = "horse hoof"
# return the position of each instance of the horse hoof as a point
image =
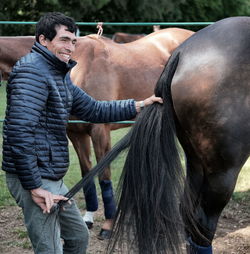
(104, 234)
(89, 224)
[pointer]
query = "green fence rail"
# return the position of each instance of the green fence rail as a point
(120, 23)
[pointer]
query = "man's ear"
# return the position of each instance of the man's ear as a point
(42, 40)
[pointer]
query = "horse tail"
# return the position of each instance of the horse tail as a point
(148, 217)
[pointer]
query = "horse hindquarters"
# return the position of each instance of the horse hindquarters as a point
(211, 96)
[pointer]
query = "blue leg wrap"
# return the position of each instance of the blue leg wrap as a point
(108, 199)
(193, 248)
(91, 197)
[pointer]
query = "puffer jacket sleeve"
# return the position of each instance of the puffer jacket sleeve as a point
(88, 109)
(27, 95)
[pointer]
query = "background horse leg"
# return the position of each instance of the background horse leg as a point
(100, 135)
(81, 143)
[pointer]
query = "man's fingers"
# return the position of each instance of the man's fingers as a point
(57, 198)
(43, 207)
(64, 207)
(45, 199)
(159, 99)
(49, 202)
(152, 99)
(156, 99)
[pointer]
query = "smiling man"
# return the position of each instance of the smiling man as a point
(62, 45)
(40, 98)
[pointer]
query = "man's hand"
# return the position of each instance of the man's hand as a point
(45, 199)
(150, 100)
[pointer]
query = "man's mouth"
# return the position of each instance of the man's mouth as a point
(64, 56)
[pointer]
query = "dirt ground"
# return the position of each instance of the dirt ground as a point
(232, 237)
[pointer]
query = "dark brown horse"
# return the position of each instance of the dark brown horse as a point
(111, 71)
(206, 92)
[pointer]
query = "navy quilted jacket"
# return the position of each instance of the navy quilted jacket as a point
(40, 98)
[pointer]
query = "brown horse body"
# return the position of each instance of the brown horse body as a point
(11, 49)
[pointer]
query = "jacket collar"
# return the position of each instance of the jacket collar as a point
(52, 59)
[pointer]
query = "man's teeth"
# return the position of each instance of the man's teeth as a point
(65, 56)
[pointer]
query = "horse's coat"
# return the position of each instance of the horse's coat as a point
(11, 49)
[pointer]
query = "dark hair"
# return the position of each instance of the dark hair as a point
(48, 23)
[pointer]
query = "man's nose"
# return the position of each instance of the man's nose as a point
(70, 46)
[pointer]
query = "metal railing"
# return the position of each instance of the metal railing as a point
(120, 23)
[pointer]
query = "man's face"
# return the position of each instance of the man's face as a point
(63, 45)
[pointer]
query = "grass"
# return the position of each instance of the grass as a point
(5, 198)
(242, 190)
(21, 233)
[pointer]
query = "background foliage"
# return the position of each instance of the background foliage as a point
(118, 11)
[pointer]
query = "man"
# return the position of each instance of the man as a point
(40, 98)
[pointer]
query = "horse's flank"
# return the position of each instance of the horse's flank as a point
(12, 49)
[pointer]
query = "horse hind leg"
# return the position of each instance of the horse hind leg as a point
(81, 143)
(100, 135)
(211, 192)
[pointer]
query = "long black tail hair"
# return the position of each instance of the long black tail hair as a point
(148, 218)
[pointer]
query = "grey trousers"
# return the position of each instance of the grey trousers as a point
(56, 233)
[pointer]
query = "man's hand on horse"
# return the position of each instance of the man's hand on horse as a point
(45, 199)
(150, 100)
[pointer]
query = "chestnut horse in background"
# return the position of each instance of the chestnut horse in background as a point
(112, 71)
(107, 71)
(11, 49)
